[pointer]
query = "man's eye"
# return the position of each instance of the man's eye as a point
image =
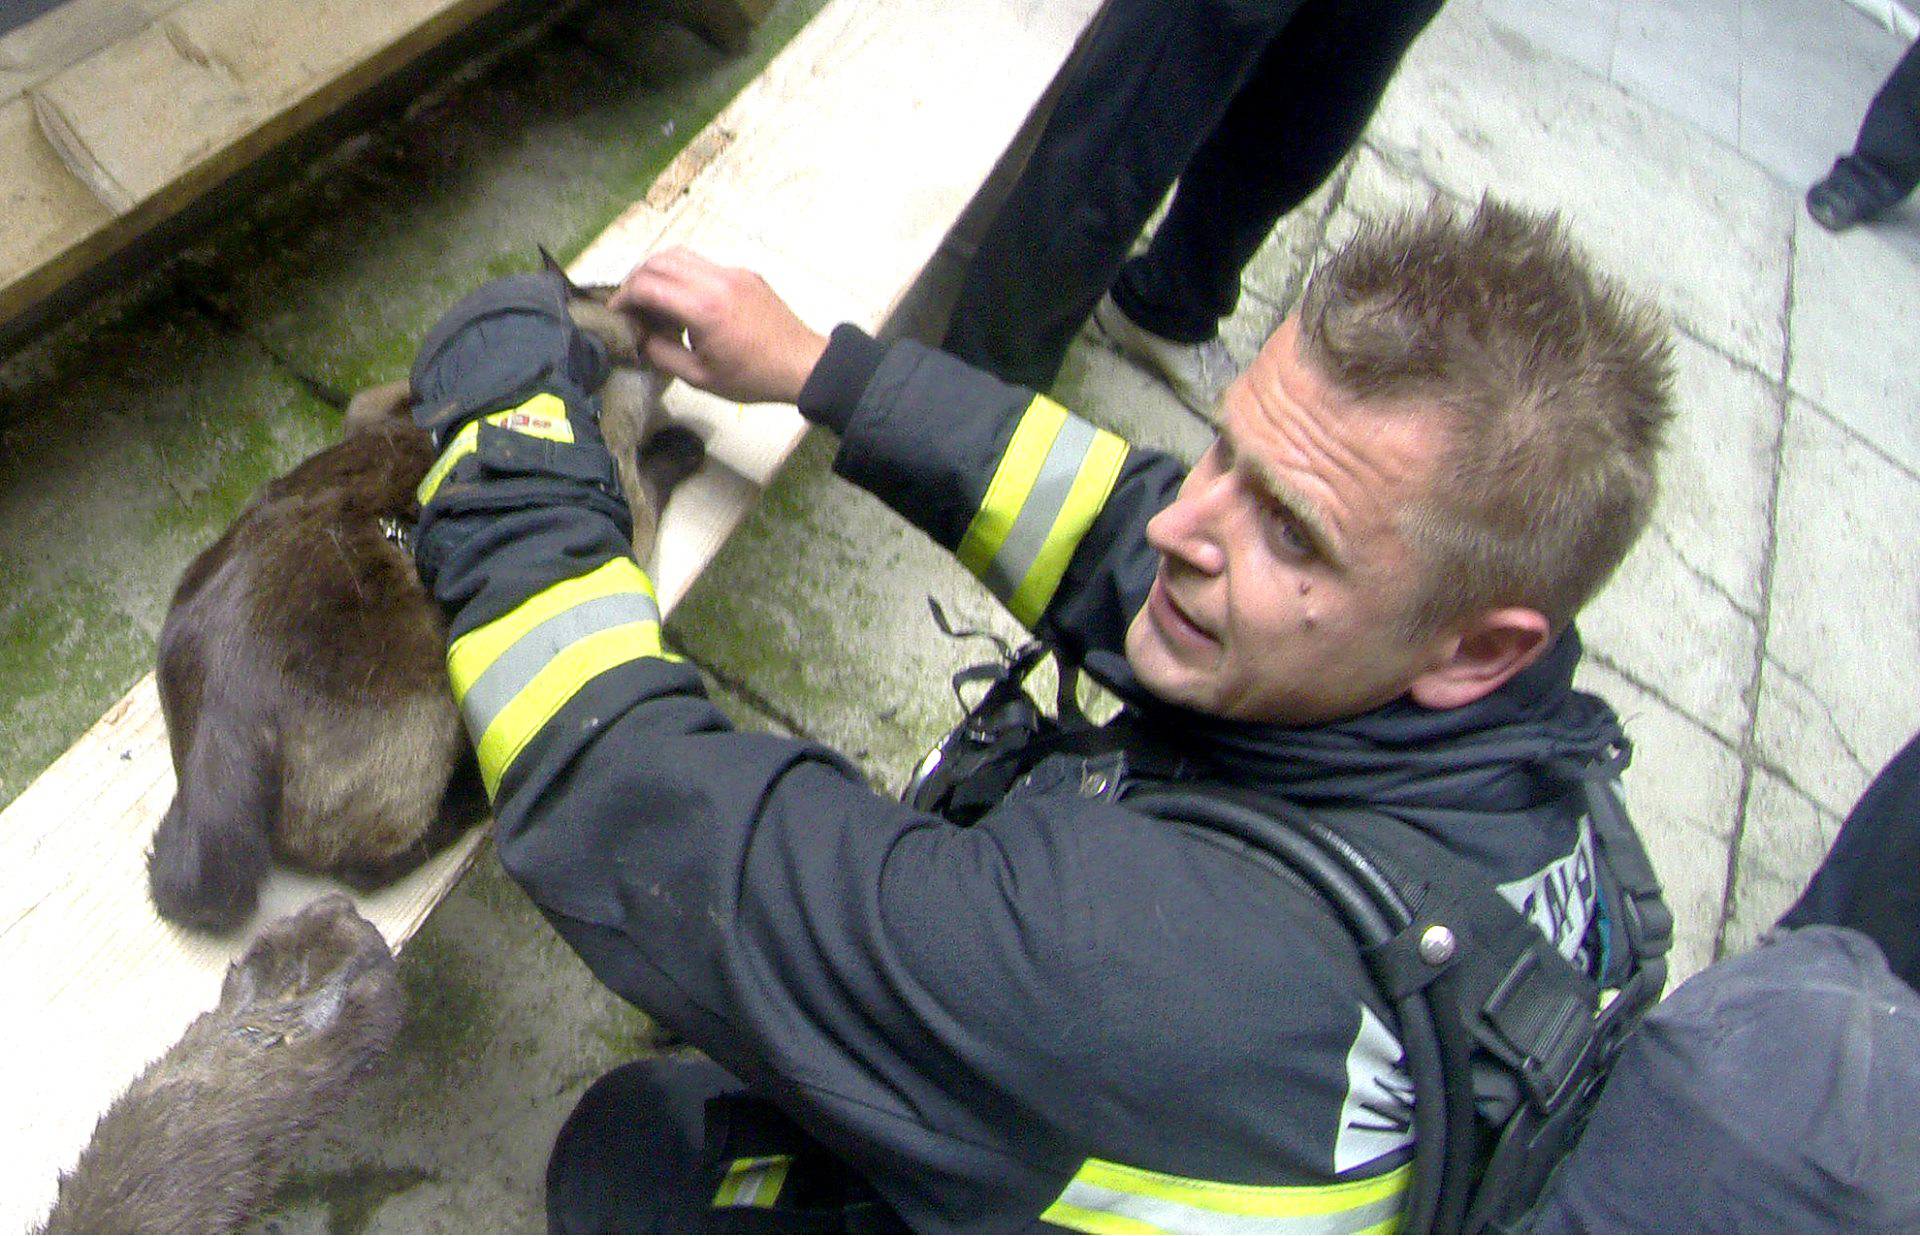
(1287, 534)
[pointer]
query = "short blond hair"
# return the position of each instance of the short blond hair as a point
(1555, 383)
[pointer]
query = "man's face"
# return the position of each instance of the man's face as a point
(1285, 586)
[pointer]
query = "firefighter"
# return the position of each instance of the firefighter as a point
(1067, 1013)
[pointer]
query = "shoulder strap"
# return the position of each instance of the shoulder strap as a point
(1469, 979)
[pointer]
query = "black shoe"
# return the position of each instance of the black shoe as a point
(1853, 192)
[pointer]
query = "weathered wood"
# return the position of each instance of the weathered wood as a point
(205, 89)
(836, 173)
(73, 31)
(181, 97)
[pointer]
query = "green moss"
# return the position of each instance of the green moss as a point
(627, 1034)
(66, 654)
(547, 148)
(350, 1197)
(446, 1004)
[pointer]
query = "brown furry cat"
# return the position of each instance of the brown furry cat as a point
(302, 667)
(201, 1139)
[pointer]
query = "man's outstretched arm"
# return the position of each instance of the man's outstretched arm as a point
(1046, 509)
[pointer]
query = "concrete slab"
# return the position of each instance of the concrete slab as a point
(1674, 213)
(1785, 837)
(1377, 188)
(1278, 272)
(1716, 476)
(1840, 692)
(1856, 297)
(1581, 31)
(1684, 56)
(1118, 395)
(1674, 631)
(817, 609)
(1683, 792)
(1807, 71)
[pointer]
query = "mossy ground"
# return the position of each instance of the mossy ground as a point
(131, 435)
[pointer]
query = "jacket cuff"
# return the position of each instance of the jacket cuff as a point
(833, 389)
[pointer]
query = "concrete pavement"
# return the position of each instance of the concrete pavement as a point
(1763, 642)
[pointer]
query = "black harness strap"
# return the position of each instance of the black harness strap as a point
(1478, 991)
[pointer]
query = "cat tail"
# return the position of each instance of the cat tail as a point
(211, 850)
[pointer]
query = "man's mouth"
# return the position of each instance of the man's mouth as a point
(1173, 622)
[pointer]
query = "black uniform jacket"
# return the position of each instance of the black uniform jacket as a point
(1068, 1015)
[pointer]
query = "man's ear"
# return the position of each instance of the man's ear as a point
(1476, 657)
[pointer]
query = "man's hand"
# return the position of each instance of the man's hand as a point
(742, 342)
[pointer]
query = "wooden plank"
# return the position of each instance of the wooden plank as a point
(75, 30)
(44, 207)
(148, 104)
(148, 124)
(208, 87)
(836, 173)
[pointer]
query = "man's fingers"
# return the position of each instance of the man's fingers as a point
(666, 353)
(676, 282)
(646, 291)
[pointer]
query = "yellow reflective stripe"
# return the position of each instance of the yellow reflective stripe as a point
(754, 1182)
(514, 726)
(464, 444)
(1046, 491)
(478, 649)
(543, 416)
(1111, 1197)
(553, 644)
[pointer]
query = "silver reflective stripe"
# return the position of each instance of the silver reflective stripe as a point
(1164, 1215)
(1042, 507)
(516, 667)
(748, 1186)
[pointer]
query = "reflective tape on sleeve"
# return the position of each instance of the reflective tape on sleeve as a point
(1050, 485)
(753, 1182)
(513, 675)
(463, 444)
(1111, 1197)
(543, 416)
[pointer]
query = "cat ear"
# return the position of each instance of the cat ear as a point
(552, 266)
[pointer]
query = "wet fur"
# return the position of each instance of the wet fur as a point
(202, 1139)
(302, 666)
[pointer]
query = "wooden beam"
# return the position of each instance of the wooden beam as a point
(146, 105)
(836, 173)
(31, 53)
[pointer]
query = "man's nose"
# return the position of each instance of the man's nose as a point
(1190, 529)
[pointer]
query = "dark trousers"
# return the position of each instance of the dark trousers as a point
(1870, 880)
(677, 1144)
(1889, 142)
(1249, 104)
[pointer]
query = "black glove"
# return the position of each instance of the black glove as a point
(508, 386)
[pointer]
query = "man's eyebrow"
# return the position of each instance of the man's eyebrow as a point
(1288, 497)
